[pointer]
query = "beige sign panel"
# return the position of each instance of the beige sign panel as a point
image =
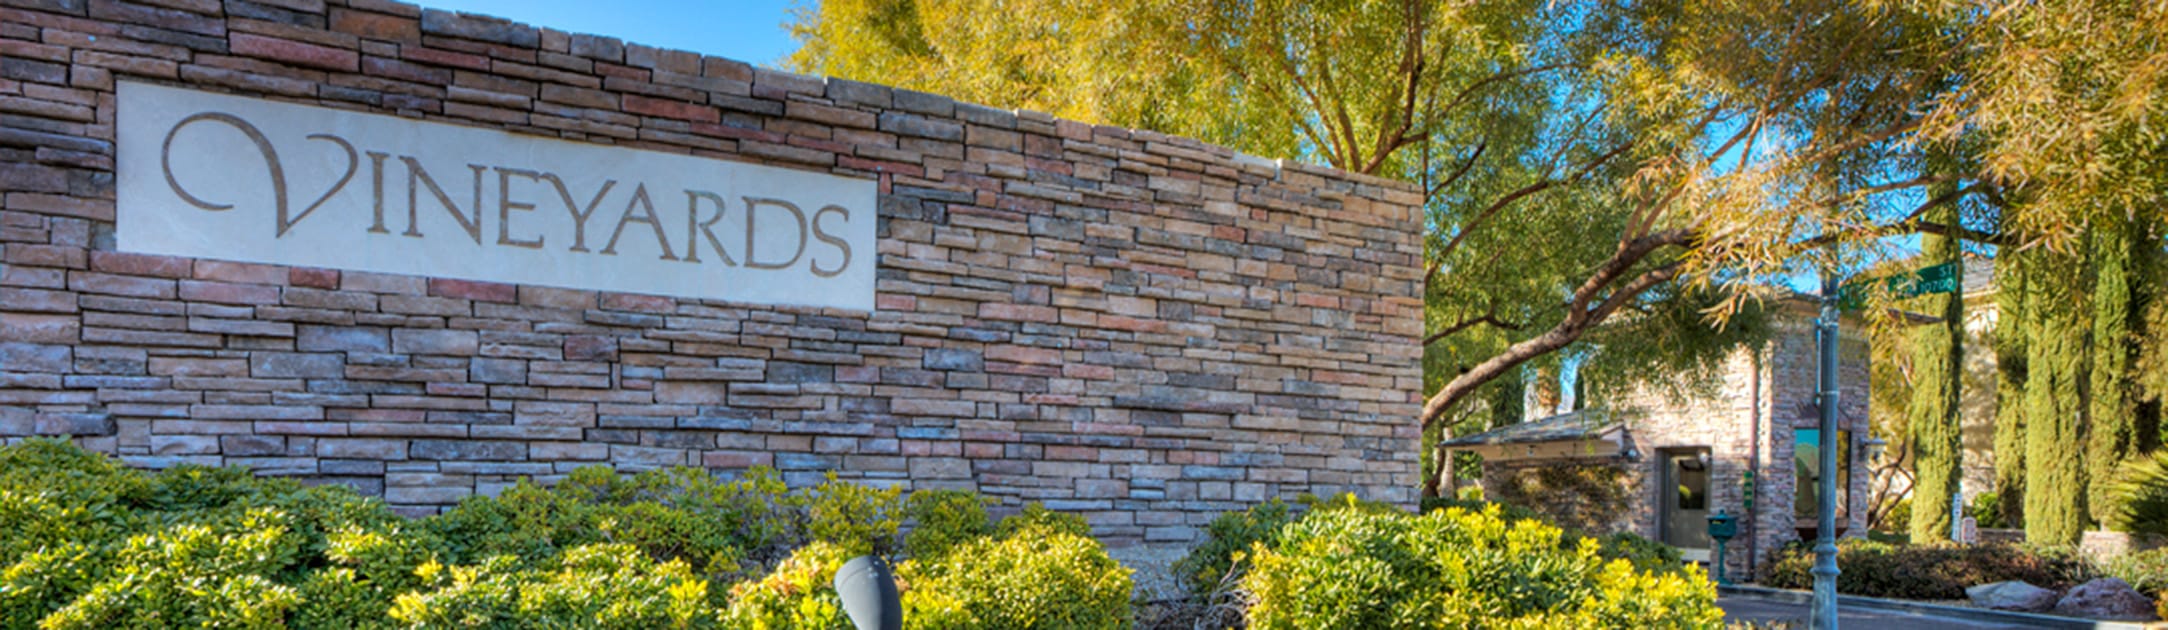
(211, 175)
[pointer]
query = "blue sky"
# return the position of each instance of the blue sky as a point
(746, 30)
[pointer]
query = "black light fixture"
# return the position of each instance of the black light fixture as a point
(868, 590)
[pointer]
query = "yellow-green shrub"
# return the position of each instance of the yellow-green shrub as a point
(1457, 569)
(592, 586)
(799, 594)
(944, 519)
(1038, 576)
(1227, 536)
(215, 574)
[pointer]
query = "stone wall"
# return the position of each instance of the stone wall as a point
(1140, 328)
(1746, 421)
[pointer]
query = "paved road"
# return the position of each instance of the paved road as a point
(1740, 608)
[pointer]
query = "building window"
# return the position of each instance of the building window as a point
(1807, 460)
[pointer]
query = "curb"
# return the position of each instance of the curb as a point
(1939, 610)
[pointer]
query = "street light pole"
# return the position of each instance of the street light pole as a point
(1825, 545)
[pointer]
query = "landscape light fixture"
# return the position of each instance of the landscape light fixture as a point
(868, 590)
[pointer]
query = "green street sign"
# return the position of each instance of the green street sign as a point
(1927, 280)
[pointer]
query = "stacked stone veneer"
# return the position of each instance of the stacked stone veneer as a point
(1762, 395)
(1744, 417)
(1137, 327)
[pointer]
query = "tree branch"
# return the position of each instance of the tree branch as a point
(1490, 318)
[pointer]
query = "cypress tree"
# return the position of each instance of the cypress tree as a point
(2112, 433)
(2010, 353)
(1937, 368)
(2055, 470)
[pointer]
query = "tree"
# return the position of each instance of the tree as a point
(2055, 471)
(1656, 150)
(2011, 351)
(2062, 106)
(2112, 430)
(1937, 440)
(1645, 144)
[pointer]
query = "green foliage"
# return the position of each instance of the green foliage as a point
(2145, 570)
(944, 519)
(799, 594)
(1937, 439)
(216, 573)
(92, 544)
(1040, 575)
(2010, 342)
(1453, 569)
(2055, 416)
(1899, 519)
(1037, 518)
(1576, 497)
(1647, 556)
(592, 586)
(719, 528)
(1986, 511)
(859, 519)
(1509, 511)
(1228, 536)
(2139, 496)
(1926, 571)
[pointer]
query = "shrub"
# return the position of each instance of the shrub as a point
(1039, 576)
(860, 519)
(1229, 534)
(1986, 510)
(1898, 519)
(1455, 568)
(1644, 554)
(2146, 570)
(2138, 498)
(944, 519)
(1036, 517)
(799, 594)
(214, 574)
(716, 527)
(1926, 571)
(89, 543)
(593, 586)
(1508, 511)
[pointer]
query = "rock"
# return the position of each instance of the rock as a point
(2108, 599)
(2012, 595)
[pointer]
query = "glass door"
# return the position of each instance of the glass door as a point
(1686, 499)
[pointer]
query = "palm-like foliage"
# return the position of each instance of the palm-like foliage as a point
(2140, 496)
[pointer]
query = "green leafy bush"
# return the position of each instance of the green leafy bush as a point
(716, 527)
(1454, 568)
(1040, 575)
(945, 519)
(93, 544)
(800, 593)
(1644, 554)
(857, 518)
(592, 586)
(1926, 571)
(2138, 498)
(1509, 511)
(2146, 570)
(1228, 535)
(1986, 511)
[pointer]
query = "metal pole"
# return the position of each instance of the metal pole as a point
(1825, 545)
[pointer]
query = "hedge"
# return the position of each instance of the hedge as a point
(93, 544)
